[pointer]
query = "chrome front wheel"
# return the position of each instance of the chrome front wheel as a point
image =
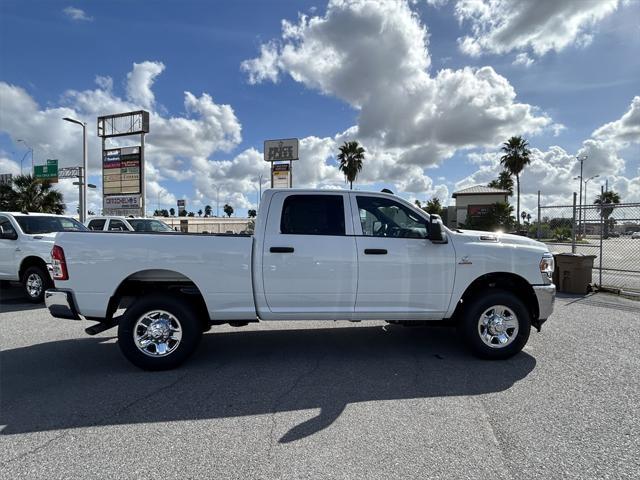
(498, 326)
(157, 333)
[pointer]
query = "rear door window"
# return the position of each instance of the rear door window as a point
(117, 226)
(313, 215)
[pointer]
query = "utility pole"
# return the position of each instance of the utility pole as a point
(29, 149)
(584, 227)
(84, 171)
(217, 200)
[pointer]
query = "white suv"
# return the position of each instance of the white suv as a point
(127, 224)
(26, 240)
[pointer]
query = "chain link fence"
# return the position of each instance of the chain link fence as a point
(604, 231)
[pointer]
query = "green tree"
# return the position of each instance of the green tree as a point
(172, 212)
(26, 194)
(606, 201)
(503, 182)
(228, 209)
(200, 212)
(351, 156)
(207, 210)
(182, 213)
(191, 214)
(251, 213)
(515, 158)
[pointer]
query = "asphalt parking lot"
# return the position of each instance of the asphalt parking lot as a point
(324, 400)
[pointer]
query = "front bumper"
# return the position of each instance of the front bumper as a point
(546, 295)
(61, 304)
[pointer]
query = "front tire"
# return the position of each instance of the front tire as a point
(496, 325)
(159, 332)
(35, 280)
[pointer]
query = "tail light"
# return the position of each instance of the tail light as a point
(58, 264)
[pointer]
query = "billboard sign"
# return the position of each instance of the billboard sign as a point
(47, 172)
(121, 171)
(121, 205)
(182, 205)
(281, 175)
(6, 178)
(281, 150)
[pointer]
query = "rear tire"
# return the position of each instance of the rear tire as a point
(496, 325)
(159, 332)
(35, 280)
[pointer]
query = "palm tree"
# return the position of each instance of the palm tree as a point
(503, 182)
(515, 158)
(607, 200)
(251, 213)
(27, 194)
(200, 212)
(351, 156)
(207, 210)
(228, 209)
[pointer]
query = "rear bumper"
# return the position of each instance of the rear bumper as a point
(61, 304)
(546, 295)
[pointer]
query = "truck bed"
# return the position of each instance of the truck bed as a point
(219, 265)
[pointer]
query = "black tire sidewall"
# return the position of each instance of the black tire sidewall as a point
(477, 306)
(191, 332)
(46, 282)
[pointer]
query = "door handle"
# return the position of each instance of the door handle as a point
(375, 251)
(281, 249)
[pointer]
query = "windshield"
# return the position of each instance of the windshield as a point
(34, 225)
(149, 226)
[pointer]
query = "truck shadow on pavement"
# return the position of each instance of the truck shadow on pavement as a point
(86, 382)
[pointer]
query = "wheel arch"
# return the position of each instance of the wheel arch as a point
(507, 281)
(144, 282)
(31, 261)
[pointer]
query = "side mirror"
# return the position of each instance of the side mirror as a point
(436, 232)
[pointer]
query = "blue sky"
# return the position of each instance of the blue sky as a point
(576, 82)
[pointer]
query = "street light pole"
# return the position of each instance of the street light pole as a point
(584, 227)
(29, 149)
(581, 160)
(85, 169)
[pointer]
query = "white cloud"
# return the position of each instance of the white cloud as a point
(9, 166)
(523, 59)
(501, 26)
(140, 80)
(374, 56)
(77, 14)
(625, 130)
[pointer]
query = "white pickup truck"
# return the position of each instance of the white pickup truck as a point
(315, 255)
(25, 249)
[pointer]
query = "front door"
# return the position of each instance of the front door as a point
(8, 267)
(309, 256)
(401, 274)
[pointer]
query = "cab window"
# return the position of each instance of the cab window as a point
(383, 217)
(97, 224)
(313, 215)
(117, 226)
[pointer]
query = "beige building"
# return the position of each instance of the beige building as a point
(207, 224)
(475, 201)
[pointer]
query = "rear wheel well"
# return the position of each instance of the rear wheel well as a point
(134, 287)
(506, 281)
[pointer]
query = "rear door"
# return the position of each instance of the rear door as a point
(401, 274)
(309, 264)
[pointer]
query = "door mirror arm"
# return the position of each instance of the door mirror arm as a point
(436, 232)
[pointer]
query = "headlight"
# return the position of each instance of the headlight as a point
(547, 264)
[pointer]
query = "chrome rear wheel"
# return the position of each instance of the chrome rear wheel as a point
(157, 333)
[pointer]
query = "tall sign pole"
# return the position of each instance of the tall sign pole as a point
(281, 153)
(123, 168)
